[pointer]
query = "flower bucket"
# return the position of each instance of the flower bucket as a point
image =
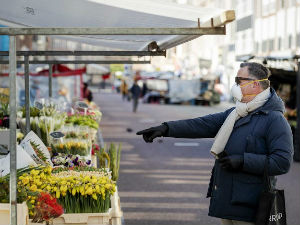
(84, 219)
(22, 213)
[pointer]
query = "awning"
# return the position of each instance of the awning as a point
(113, 13)
(96, 69)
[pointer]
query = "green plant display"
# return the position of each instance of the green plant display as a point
(115, 156)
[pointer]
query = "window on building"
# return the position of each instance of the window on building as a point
(231, 47)
(291, 3)
(264, 46)
(268, 7)
(256, 47)
(35, 37)
(290, 41)
(279, 43)
(298, 40)
(271, 44)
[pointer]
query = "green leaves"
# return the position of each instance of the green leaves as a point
(115, 156)
(84, 204)
(82, 120)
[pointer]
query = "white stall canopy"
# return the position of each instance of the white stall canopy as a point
(113, 13)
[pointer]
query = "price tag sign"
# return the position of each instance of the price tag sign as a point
(82, 105)
(57, 134)
(38, 105)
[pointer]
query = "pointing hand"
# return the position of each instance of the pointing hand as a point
(153, 132)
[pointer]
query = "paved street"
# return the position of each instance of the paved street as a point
(166, 182)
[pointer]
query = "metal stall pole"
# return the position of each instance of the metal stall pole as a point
(27, 94)
(50, 80)
(297, 133)
(12, 131)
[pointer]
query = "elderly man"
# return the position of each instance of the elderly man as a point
(247, 137)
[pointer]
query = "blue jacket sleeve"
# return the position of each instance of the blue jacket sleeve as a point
(279, 141)
(201, 127)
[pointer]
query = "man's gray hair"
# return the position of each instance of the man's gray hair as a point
(259, 72)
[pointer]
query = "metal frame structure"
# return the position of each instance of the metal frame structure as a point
(217, 28)
(26, 63)
(113, 31)
(86, 53)
(80, 62)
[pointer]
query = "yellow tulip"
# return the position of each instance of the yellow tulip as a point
(33, 187)
(25, 180)
(89, 191)
(57, 194)
(94, 196)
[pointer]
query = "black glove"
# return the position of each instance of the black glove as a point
(232, 162)
(153, 132)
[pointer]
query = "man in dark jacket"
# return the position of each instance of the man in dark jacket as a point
(248, 137)
(135, 92)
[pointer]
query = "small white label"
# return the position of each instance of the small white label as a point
(38, 105)
(82, 105)
(275, 217)
(57, 134)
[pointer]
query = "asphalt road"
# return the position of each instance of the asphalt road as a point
(166, 182)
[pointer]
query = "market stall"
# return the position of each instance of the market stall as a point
(58, 157)
(66, 84)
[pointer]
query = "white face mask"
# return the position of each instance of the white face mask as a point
(236, 92)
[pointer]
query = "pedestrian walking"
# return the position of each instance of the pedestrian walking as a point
(124, 90)
(87, 94)
(135, 93)
(248, 137)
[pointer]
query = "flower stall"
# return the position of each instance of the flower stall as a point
(69, 177)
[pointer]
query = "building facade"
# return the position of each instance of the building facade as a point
(262, 28)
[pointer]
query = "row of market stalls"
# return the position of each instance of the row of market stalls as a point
(126, 28)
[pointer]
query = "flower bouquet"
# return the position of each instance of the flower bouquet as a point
(72, 146)
(60, 159)
(38, 151)
(95, 149)
(79, 193)
(76, 191)
(46, 208)
(95, 115)
(81, 132)
(28, 178)
(43, 121)
(82, 120)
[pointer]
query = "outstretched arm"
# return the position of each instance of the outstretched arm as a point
(201, 127)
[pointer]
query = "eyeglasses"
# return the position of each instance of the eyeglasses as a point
(239, 79)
